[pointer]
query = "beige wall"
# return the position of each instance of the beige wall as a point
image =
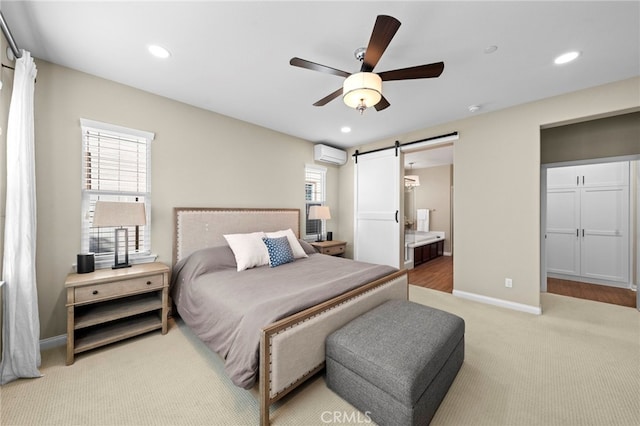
(497, 187)
(199, 158)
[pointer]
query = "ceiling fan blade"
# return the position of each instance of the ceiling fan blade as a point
(302, 63)
(329, 98)
(383, 31)
(384, 103)
(420, 71)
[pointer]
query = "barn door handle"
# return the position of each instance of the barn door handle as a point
(397, 211)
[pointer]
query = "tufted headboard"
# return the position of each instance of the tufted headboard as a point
(197, 227)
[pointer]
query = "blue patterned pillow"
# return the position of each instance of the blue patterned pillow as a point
(279, 251)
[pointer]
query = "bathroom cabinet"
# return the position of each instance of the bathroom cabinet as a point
(425, 253)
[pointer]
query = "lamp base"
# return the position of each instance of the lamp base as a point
(121, 236)
(122, 265)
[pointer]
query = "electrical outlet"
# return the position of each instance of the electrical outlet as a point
(508, 282)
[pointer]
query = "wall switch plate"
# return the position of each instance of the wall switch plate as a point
(508, 282)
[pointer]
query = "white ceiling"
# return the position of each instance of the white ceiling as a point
(233, 57)
(439, 156)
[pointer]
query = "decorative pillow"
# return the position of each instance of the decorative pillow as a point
(296, 248)
(248, 249)
(210, 259)
(279, 251)
(308, 248)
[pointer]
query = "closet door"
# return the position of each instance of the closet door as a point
(563, 234)
(605, 233)
(588, 222)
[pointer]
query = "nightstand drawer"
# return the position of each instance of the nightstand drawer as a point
(334, 250)
(95, 292)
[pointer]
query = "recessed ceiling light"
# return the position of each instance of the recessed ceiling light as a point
(490, 49)
(566, 58)
(345, 129)
(474, 108)
(159, 51)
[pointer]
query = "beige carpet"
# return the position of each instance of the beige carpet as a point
(577, 364)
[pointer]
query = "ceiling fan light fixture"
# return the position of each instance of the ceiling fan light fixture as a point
(362, 90)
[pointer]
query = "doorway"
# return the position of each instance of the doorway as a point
(619, 291)
(428, 215)
(612, 137)
(596, 260)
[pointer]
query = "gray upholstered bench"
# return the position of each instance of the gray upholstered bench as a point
(396, 362)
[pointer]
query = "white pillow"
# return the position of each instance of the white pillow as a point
(296, 248)
(248, 249)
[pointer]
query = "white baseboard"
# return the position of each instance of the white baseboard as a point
(537, 310)
(53, 342)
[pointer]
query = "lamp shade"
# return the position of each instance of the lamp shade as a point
(110, 213)
(362, 90)
(319, 212)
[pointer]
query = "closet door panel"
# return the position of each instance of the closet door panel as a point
(606, 174)
(563, 241)
(605, 229)
(562, 177)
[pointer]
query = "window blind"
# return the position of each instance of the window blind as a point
(115, 167)
(314, 188)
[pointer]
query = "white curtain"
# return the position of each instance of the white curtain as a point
(21, 325)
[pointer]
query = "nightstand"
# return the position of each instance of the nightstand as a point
(109, 305)
(333, 248)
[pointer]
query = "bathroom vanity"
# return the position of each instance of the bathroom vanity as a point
(421, 247)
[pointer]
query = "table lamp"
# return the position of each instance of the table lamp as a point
(119, 215)
(319, 212)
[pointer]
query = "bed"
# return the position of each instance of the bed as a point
(272, 321)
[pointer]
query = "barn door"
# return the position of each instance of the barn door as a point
(378, 215)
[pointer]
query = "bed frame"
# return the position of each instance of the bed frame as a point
(292, 349)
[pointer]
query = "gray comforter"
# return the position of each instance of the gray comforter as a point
(227, 309)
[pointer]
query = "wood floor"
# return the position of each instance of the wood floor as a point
(600, 293)
(437, 274)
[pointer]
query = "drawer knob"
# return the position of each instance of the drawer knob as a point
(148, 282)
(95, 291)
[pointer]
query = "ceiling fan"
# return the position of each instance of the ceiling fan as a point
(363, 89)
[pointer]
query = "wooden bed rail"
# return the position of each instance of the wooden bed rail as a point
(289, 336)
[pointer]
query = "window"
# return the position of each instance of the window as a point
(116, 166)
(314, 195)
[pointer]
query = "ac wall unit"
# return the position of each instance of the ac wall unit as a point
(328, 154)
